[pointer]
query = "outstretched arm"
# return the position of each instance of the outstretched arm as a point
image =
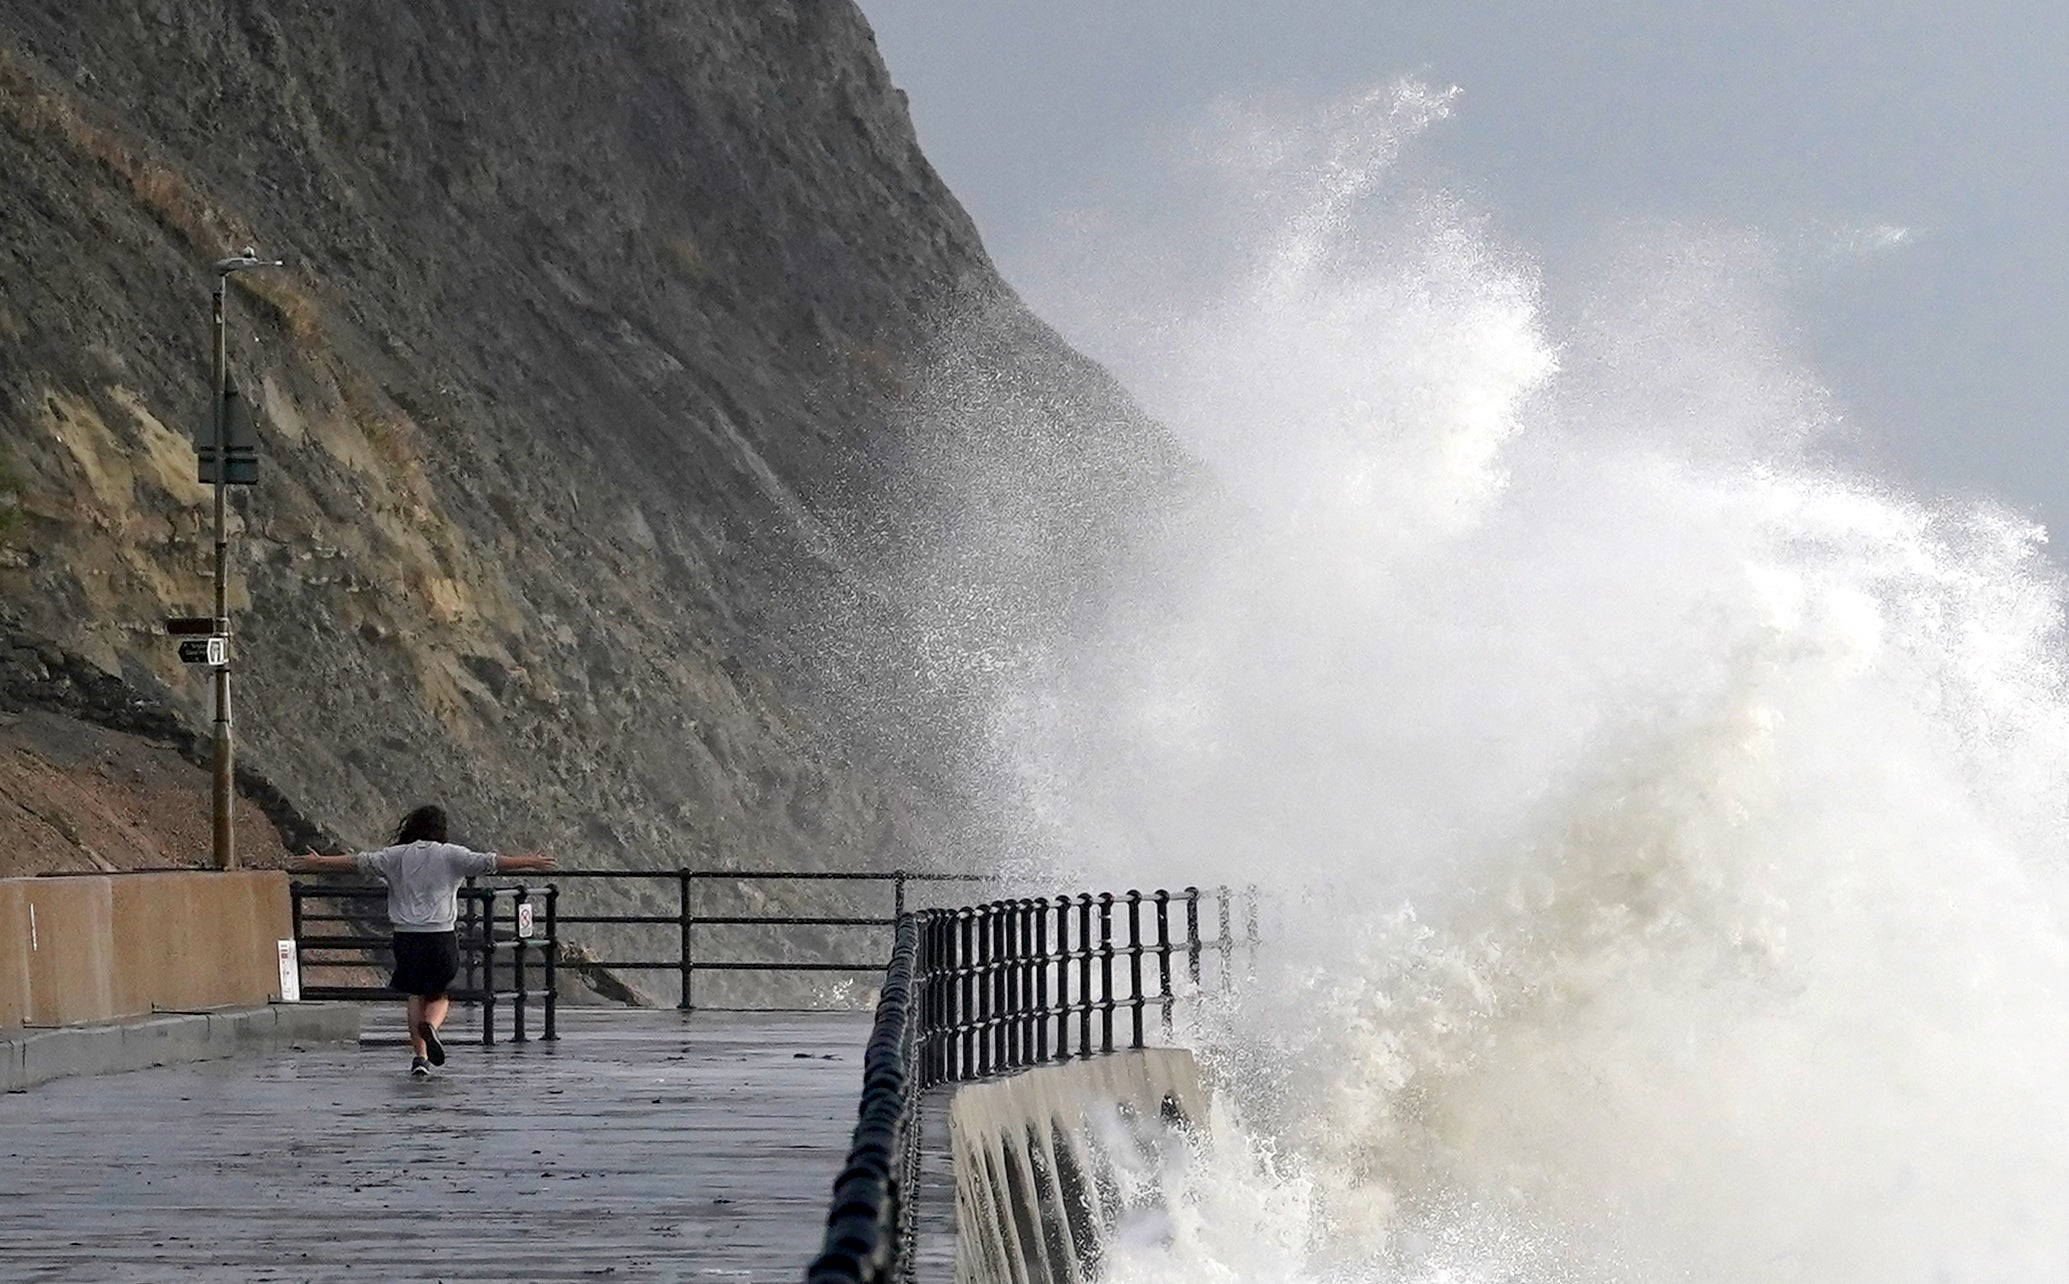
(526, 863)
(317, 863)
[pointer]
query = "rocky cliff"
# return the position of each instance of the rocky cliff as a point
(629, 363)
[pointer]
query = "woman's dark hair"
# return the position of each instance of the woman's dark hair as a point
(425, 824)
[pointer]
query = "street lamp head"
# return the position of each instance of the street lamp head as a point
(248, 259)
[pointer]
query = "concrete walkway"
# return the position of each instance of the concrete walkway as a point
(641, 1146)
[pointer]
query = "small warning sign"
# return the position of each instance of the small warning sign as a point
(290, 974)
(524, 920)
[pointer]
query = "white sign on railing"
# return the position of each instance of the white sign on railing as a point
(524, 920)
(290, 974)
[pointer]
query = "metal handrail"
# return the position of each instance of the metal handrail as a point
(870, 1226)
(479, 943)
(968, 995)
(683, 957)
(686, 961)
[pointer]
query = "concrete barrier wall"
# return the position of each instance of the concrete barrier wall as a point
(1050, 1163)
(101, 947)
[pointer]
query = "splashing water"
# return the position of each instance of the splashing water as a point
(1668, 823)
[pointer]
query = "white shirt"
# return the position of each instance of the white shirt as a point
(424, 881)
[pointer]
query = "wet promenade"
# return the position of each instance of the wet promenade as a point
(641, 1146)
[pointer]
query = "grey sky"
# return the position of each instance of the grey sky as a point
(1950, 353)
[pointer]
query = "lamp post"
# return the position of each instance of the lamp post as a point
(225, 758)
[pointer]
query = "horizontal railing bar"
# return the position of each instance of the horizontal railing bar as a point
(810, 875)
(972, 969)
(806, 875)
(965, 969)
(629, 920)
(466, 941)
(634, 965)
(319, 891)
(323, 992)
(772, 966)
(804, 920)
(757, 965)
(732, 920)
(374, 947)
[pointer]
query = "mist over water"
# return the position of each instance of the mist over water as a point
(1665, 823)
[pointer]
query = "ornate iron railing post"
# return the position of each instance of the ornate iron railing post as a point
(1163, 901)
(519, 942)
(1006, 958)
(987, 995)
(484, 946)
(1085, 1000)
(966, 972)
(1225, 943)
(1192, 936)
(1106, 971)
(686, 957)
(1135, 995)
(1001, 986)
(1039, 1012)
(552, 956)
(1030, 968)
(939, 963)
(1250, 925)
(1063, 962)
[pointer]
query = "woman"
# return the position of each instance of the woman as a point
(423, 872)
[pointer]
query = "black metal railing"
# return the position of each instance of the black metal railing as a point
(346, 925)
(350, 930)
(680, 934)
(871, 1227)
(978, 990)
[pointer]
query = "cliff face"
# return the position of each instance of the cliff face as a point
(610, 398)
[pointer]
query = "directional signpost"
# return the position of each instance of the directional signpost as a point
(203, 639)
(215, 651)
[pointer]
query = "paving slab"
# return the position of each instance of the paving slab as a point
(640, 1146)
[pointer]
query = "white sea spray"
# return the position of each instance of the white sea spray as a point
(1662, 825)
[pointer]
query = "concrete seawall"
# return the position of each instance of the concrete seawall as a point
(1045, 1161)
(101, 947)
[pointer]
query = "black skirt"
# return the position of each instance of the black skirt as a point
(425, 962)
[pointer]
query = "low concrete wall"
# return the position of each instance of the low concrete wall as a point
(30, 1057)
(101, 947)
(1040, 1158)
